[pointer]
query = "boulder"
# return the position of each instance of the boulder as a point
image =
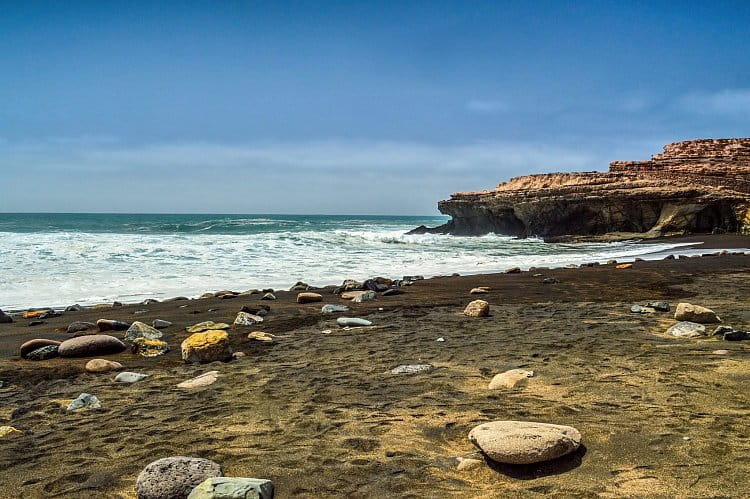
(736, 335)
(110, 325)
(514, 270)
(43, 353)
(90, 345)
(510, 379)
(84, 401)
(160, 324)
(150, 348)
(411, 369)
(36, 344)
(687, 329)
(695, 313)
(522, 442)
(246, 319)
(268, 296)
(102, 366)
(140, 330)
(477, 308)
(74, 308)
(174, 477)
(130, 377)
(309, 297)
(209, 346)
(352, 322)
(207, 326)
(233, 488)
(204, 379)
(334, 309)
(364, 296)
(5, 318)
(79, 326)
(300, 286)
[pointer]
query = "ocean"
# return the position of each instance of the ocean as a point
(60, 259)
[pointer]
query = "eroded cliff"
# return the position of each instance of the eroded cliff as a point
(697, 186)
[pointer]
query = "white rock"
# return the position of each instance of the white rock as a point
(205, 379)
(510, 379)
(522, 442)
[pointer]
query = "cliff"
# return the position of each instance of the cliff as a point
(697, 186)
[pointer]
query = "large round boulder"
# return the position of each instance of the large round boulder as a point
(90, 345)
(523, 442)
(35, 344)
(174, 477)
(209, 346)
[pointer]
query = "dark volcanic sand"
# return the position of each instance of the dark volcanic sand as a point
(321, 415)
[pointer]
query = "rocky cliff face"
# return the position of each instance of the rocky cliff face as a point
(697, 186)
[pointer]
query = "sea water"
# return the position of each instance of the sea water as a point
(61, 259)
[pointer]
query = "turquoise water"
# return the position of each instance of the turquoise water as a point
(60, 259)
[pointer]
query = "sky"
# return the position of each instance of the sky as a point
(348, 107)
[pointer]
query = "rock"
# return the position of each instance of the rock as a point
(91, 345)
(176, 298)
(334, 309)
(35, 314)
(9, 431)
(268, 296)
(207, 326)
(233, 488)
(736, 335)
(521, 442)
(204, 379)
(514, 270)
(720, 352)
(174, 477)
(349, 295)
(206, 295)
(695, 313)
(116, 304)
(74, 308)
(160, 324)
(150, 348)
(624, 266)
(638, 309)
(102, 366)
(352, 322)
(5, 318)
(245, 319)
(687, 330)
(309, 297)
(31, 345)
(110, 325)
(611, 262)
(550, 280)
(84, 401)
(510, 379)
(140, 312)
(259, 309)
(477, 308)
(260, 336)
(392, 292)
(413, 278)
(478, 291)
(721, 330)
(300, 286)
(660, 306)
(250, 292)
(440, 340)
(36, 323)
(364, 296)
(141, 330)
(238, 355)
(129, 377)
(43, 353)
(209, 346)
(465, 464)
(411, 369)
(149, 301)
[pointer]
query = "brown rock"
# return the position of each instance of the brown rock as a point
(695, 313)
(102, 366)
(521, 442)
(32, 345)
(478, 291)
(477, 308)
(90, 345)
(624, 266)
(309, 297)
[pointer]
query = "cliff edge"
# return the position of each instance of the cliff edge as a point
(696, 186)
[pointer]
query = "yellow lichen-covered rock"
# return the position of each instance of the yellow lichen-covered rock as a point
(207, 326)
(9, 431)
(477, 308)
(150, 348)
(208, 346)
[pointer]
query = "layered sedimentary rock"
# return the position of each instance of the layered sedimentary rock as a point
(697, 186)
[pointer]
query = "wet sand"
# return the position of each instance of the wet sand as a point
(322, 416)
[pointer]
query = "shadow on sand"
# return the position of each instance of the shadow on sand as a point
(538, 470)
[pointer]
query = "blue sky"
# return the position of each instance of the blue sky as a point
(348, 107)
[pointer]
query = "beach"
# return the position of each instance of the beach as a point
(319, 412)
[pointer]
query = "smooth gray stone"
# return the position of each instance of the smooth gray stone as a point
(233, 488)
(352, 322)
(411, 369)
(160, 324)
(85, 401)
(687, 329)
(661, 306)
(332, 309)
(129, 377)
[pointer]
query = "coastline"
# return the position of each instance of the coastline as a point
(309, 405)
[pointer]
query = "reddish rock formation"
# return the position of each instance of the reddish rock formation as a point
(697, 186)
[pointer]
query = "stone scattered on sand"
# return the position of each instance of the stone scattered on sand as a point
(35, 314)
(550, 280)
(74, 308)
(130, 377)
(160, 324)
(150, 348)
(660, 306)
(261, 336)
(207, 326)
(204, 379)
(478, 291)
(624, 266)
(514, 270)
(510, 379)
(736, 335)
(246, 319)
(209, 346)
(174, 477)
(522, 442)
(687, 329)
(364, 296)
(639, 309)
(309, 297)
(334, 309)
(206, 295)
(43, 353)
(141, 330)
(79, 326)
(440, 340)
(695, 313)
(411, 369)
(84, 401)
(477, 308)
(31, 345)
(110, 325)
(352, 322)
(300, 286)
(250, 292)
(5, 318)
(36, 323)
(268, 296)
(9, 431)
(465, 464)
(149, 301)
(722, 330)
(233, 488)
(91, 345)
(720, 352)
(102, 366)
(392, 292)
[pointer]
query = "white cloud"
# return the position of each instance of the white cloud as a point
(486, 106)
(724, 102)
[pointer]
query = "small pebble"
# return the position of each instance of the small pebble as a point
(440, 339)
